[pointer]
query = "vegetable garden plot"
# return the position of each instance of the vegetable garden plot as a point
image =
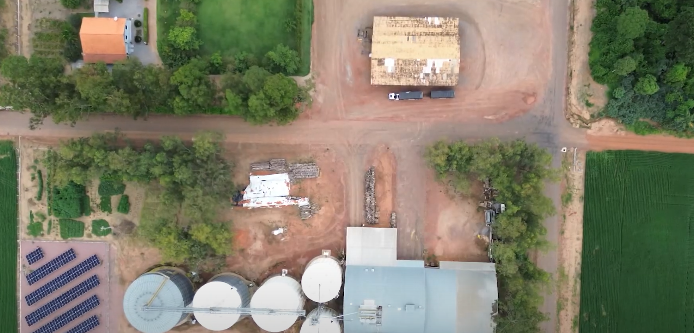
(8, 237)
(637, 271)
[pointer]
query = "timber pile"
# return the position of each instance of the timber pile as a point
(305, 212)
(393, 223)
(303, 170)
(370, 210)
(278, 165)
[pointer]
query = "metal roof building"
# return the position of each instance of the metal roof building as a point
(415, 51)
(406, 297)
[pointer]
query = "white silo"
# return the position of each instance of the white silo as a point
(322, 278)
(321, 320)
(161, 287)
(279, 292)
(224, 291)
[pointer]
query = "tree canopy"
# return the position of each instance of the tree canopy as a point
(647, 62)
(195, 181)
(519, 171)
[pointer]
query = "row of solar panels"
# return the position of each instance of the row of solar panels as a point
(72, 314)
(62, 280)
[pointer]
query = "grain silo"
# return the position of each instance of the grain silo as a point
(321, 320)
(224, 291)
(322, 278)
(155, 301)
(279, 292)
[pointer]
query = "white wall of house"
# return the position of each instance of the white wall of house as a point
(129, 36)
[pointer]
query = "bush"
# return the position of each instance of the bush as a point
(71, 4)
(34, 228)
(50, 227)
(71, 228)
(39, 192)
(138, 23)
(97, 226)
(86, 206)
(105, 205)
(138, 39)
(67, 201)
(123, 204)
(108, 187)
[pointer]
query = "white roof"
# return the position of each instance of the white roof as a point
(217, 294)
(372, 246)
(101, 6)
(321, 320)
(322, 279)
(279, 293)
(276, 185)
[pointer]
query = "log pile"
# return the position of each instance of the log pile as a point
(303, 170)
(370, 209)
(278, 165)
(393, 223)
(306, 211)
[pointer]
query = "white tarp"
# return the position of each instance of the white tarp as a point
(276, 185)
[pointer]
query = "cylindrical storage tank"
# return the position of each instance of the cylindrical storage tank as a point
(279, 292)
(160, 287)
(322, 278)
(321, 320)
(226, 290)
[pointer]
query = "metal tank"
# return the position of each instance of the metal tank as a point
(321, 320)
(223, 291)
(279, 292)
(322, 279)
(161, 287)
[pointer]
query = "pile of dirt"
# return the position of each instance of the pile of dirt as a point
(370, 210)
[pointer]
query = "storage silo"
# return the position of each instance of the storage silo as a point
(161, 287)
(223, 291)
(321, 320)
(279, 292)
(322, 278)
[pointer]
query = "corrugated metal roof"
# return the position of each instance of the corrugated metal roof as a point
(101, 6)
(372, 246)
(456, 298)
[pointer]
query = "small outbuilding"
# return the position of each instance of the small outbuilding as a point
(101, 6)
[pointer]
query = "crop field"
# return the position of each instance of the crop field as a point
(71, 228)
(8, 237)
(637, 271)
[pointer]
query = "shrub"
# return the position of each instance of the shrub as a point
(71, 4)
(123, 204)
(67, 201)
(100, 228)
(108, 187)
(138, 39)
(39, 192)
(71, 228)
(34, 229)
(50, 227)
(138, 23)
(86, 206)
(145, 25)
(105, 205)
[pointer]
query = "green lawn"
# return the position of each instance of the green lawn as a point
(637, 271)
(254, 26)
(8, 237)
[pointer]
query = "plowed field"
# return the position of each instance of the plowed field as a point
(638, 244)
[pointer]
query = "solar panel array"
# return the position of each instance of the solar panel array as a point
(69, 315)
(51, 266)
(62, 280)
(62, 300)
(34, 256)
(85, 326)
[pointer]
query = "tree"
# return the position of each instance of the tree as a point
(625, 66)
(186, 18)
(275, 102)
(282, 59)
(234, 103)
(647, 85)
(680, 38)
(184, 38)
(216, 63)
(195, 92)
(216, 235)
(677, 74)
(632, 22)
(95, 86)
(254, 79)
(71, 4)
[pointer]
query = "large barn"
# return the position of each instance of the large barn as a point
(415, 51)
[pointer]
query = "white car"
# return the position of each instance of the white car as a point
(394, 97)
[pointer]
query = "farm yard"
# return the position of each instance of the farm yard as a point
(8, 234)
(637, 261)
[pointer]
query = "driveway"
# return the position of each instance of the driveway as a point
(133, 9)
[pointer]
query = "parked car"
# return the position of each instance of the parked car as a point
(405, 95)
(436, 94)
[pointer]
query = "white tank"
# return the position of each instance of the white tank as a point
(160, 287)
(226, 290)
(322, 278)
(321, 320)
(279, 292)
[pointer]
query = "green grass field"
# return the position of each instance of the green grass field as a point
(637, 271)
(8, 237)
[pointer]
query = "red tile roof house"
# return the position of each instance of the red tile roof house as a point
(106, 39)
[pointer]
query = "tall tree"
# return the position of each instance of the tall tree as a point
(194, 89)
